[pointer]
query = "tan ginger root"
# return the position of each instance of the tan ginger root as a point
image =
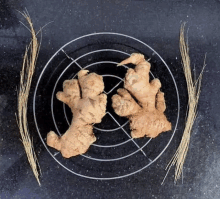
(87, 109)
(147, 116)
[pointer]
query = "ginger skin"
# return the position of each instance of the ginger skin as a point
(147, 116)
(87, 109)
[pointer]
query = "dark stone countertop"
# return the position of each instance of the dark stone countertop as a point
(157, 23)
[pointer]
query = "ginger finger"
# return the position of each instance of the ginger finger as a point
(124, 104)
(160, 105)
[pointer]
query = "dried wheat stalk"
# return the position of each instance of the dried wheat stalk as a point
(194, 88)
(29, 62)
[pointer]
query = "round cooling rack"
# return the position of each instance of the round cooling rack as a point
(115, 154)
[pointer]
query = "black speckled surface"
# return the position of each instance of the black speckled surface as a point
(155, 22)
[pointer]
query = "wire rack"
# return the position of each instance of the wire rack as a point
(115, 154)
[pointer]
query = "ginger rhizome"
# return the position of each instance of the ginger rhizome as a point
(147, 116)
(88, 105)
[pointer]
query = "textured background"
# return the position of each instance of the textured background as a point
(155, 22)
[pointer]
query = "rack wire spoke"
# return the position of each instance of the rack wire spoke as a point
(114, 87)
(71, 58)
(56, 153)
(126, 133)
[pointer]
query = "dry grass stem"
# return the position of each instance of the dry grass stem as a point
(29, 62)
(194, 88)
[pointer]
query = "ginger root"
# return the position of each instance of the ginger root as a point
(147, 116)
(88, 105)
